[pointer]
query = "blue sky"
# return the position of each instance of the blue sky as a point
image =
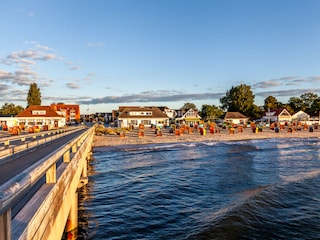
(103, 54)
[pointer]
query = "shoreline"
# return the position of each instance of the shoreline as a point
(102, 142)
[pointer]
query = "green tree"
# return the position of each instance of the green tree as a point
(210, 111)
(270, 102)
(11, 109)
(315, 107)
(238, 99)
(34, 95)
(188, 105)
(308, 99)
(289, 109)
(296, 104)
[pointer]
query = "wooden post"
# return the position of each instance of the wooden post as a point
(74, 148)
(66, 156)
(7, 144)
(5, 225)
(72, 221)
(51, 174)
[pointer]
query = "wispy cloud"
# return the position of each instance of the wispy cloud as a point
(24, 69)
(75, 68)
(154, 96)
(72, 85)
(285, 81)
(29, 56)
(288, 93)
(266, 84)
(95, 44)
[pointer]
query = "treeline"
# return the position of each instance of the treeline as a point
(238, 99)
(241, 99)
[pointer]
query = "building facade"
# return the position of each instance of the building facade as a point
(71, 112)
(40, 116)
(134, 116)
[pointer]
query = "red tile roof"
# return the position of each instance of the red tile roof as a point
(47, 110)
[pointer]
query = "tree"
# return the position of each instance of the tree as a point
(255, 112)
(210, 111)
(295, 103)
(238, 99)
(11, 109)
(315, 107)
(34, 95)
(188, 105)
(270, 102)
(308, 99)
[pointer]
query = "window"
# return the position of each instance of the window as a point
(39, 112)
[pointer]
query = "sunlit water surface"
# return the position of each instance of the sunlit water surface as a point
(259, 189)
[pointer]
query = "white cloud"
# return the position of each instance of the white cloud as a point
(95, 44)
(154, 96)
(72, 85)
(75, 67)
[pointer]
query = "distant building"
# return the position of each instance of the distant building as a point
(171, 113)
(300, 116)
(278, 115)
(70, 111)
(40, 116)
(134, 116)
(8, 121)
(190, 116)
(236, 118)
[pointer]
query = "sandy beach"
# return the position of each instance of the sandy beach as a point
(131, 137)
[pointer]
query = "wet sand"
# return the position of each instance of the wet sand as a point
(101, 141)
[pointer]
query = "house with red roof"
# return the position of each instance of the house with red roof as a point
(278, 115)
(41, 116)
(71, 112)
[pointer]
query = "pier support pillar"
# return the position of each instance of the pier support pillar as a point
(5, 225)
(72, 222)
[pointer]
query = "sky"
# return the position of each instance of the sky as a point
(103, 54)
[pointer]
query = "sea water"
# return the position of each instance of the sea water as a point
(257, 189)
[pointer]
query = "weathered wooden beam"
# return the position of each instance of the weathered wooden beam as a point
(51, 174)
(5, 225)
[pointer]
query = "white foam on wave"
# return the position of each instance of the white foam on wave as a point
(301, 177)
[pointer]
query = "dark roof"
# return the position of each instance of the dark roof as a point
(234, 115)
(49, 112)
(156, 112)
(162, 108)
(276, 111)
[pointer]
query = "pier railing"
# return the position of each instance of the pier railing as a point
(29, 141)
(45, 214)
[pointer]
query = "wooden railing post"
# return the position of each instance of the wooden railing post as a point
(66, 156)
(72, 222)
(51, 174)
(5, 225)
(74, 148)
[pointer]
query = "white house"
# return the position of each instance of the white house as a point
(188, 117)
(134, 116)
(300, 116)
(41, 116)
(171, 113)
(278, 115)
(8, 121)
(236, 118)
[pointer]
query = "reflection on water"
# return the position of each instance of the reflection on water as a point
(260, 189)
